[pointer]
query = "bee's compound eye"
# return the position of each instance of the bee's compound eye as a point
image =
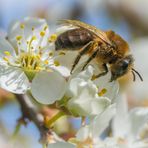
(125, 64)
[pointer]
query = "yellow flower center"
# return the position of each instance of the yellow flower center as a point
(30, 60)
(30, 63)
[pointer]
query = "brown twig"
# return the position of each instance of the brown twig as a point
(30, 112)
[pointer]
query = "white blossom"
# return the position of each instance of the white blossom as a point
(88, 97)
(88, 135)
(128, 126)
(26, 61)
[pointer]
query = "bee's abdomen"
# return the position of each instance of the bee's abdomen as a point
(73, 39)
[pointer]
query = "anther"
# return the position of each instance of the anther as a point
(38, 68)
(32, 28)
(45, 28)
(52, 38)
(46, 62)
(7, 53)
(18, 38)
(102, 92)
(22, 26)
(62, 53)
(38, 56)
(42, 33)
(50, 54)
(93, 77)
(5, 59)
(56, 63)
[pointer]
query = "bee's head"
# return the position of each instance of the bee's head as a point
(121, 67)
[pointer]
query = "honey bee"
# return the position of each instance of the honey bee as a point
(106, 47)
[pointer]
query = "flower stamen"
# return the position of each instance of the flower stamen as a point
(52, 38)
(6, 59)
(56, 63)
(30, 42)
(7, 53)
(102, 92)
(22, 26)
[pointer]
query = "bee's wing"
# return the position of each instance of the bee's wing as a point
(102, 35)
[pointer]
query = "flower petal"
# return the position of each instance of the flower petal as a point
(83, 133)
(48, 87)
(62, 70)
(13, 79)
(121, 118)
(140, 144)
(100, 122)
(111, 87)
(5, 46)
(61, 145)
(83, 95)
(31, 27)
(138, 118)
(68, 59)
(86, 74)
(99, 105)
(74, 86)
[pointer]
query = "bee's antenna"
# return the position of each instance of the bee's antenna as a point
(133, 70)
(134, 76)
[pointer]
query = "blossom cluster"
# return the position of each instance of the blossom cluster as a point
(29, 63)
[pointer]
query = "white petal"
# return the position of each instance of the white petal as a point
(27, 33)
(83, 133)
(121, 118)
(13, 80)
(80, 105)
(62, 70)
(86, 74)
(84, 93)
(14, 30)
(28, 22)
(112, 87)
(5, 46)
(61, 145)
(101, 122)
(138, 118)
(87, 105)
(139, 144)
(81, 79)
(68, 59)
(48, 87)
(74, 86)
(112, 142)
(99, 105)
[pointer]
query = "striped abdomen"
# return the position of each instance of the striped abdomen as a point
(73, 39)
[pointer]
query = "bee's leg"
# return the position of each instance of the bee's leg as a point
(104, 66)
(81, 53)
(90, 58)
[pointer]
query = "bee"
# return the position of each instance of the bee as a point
(108, 49)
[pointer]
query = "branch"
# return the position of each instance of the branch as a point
(30, 112)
